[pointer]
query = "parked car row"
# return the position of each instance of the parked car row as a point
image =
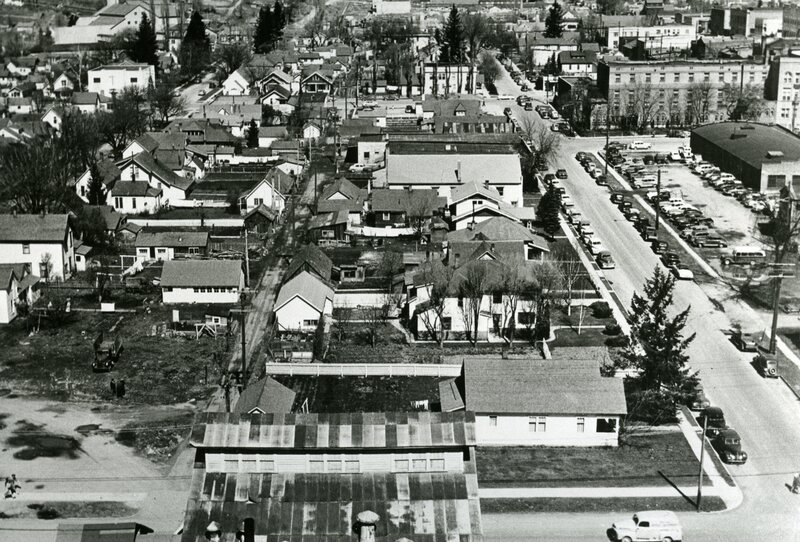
(547, 112)
(729, 185)
(724, 439)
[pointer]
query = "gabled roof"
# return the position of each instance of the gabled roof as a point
(137, 189)
(267, 396)
(50, 228)
(85, 98)
(324, 220)
(149, 163)
(473, 188)
(187, 273)
(113, 218)
(8, 273)
(320, 74)
(344, 187)
(310, 288)
(261, 210)
(182, 239)
(313, 257)
(496, 229)
(279, 75)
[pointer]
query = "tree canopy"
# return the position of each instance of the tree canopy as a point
(195, 52)
(548, 210)
(452, 47)
(144, 48)
(553, 24)
(252, 134)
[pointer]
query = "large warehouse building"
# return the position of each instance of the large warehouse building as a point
(764, 157)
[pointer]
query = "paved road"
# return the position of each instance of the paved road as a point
(764, 412)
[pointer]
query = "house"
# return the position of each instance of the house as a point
(316, 81)
(112, 79)
(310, 259)
(263, 193)
(330, 228)
(46, 243)
(405, 208)
(275, 96)
(303, 301)
(168, 245)
(445, 161)
(162, 184)
(82, 252)
(53, 117)
(19, 105)
(260, 219)
(87, 102)
(22, 66)
(543, 49)
(202, 281)
(347, 477)
(312, 131)
(103, 25)
(471, 203)
(444, 79)
(534, 402)
(277, 78)
(17, 286)
(114, 221)
(580, 63)
(65, 84)
(343, 195)
(237, 83)
(267, 396)
(109, 172)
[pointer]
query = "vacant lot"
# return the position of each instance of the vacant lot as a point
(641, 461)
(55, 362)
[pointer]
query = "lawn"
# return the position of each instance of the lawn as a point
(638, 462)
(59, 509)
(56, 361)
(623, 505)
(362, 394)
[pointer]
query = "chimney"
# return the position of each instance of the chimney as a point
(491, 247)
(365, 524)
(460, 180)
(486, 183)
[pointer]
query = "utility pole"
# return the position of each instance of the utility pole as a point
(608, 134)
(242, 298)
(776, 305)
(658, 199)
(702, 456)
(246, 259)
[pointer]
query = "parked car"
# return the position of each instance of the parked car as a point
(728, 444)
(528, 106)
(544, 113)
(670, 258)
(554, 114)
(767, 365)
(358, 168)
(681, 272)
(604, 260)
(624, 205)
(632, 214)
(659, 247)
(561, 173)
(713, 418)
(746, 342)
(640, 145)
(602, 180)
(649, 525)
(524, 87)
(505, 97)
(574, 217)
(617, 198)
(566, 201)
(549, 178)
(675, 156)
(649, 234)
(699, 400)
(712, 241)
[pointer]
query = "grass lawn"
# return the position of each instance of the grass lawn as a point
(587, 337)
(58, 509)
(634, 464)
(56, 361)
(361, 394)
(623, 505)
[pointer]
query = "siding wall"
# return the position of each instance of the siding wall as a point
(190, 295)
(516, 430)
(13, 253)
(292, 315)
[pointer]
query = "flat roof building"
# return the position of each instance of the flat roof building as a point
(764, 157)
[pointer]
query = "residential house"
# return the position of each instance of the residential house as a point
(445, 79)
(543, 49)
(349, 477)
(22, 66)
(405, 208)
(302, 302)
(265, 193)
(330, 228)
(277, 79)
(534, 402)
(677, 37)
(343, 195)
(103, 25)
(202, 131)
(112, 79)
(65, 84)
(238, 83)
(19, 105)
(162, 185)
(202, 281)
(311, 259)
(267, 396)
(168, 245)
(46, 243)
(109, 172)
(53, 117)
(317, 81)
(87, 102)
(233, 115)
(312, 131)
(260, 219)
(444, 162)
(17, 286)
(82, 251)
(578, 63)
(471, 203)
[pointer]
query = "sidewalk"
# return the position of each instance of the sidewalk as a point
(588, 492)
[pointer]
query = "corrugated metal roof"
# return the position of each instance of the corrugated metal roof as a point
(390, 430)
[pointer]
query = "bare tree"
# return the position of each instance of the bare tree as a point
(512, 286)
(571, 270)
(232, 56)
(471, 292)
(475, 29)
(643, 104)
(489, 68)
(541, 290)
(742, 102)
(699, 101)
(343, 318)
(545, 143)
(435, 281)
(375, 318)
(418, 209)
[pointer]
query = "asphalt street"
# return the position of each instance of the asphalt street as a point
(764, 412)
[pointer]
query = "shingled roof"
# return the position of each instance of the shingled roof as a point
(188, 273)
(312, 258)
(34, 228)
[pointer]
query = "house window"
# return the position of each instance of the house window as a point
(497, 298)
(460, 302)
(531, 253)
(537, 424)
(617, 78)
(401, 465)
(327, 234)
(335, 465)
(677, 78)
(309, 323)
(581, 424)
(412, 292)
(492, 421)
(500, 190)
(706, 76)
(316, 466)
(525, 318)
(606, 425)
(419, 465)
(26, 248)
(776, 181)
(134, 80)
(95, 80)
(258, 201)
(118, 203)
(437, 465)
(44, 270)
(194, 250)
(386, 216)
(366, 155)
(133, 203)
(352, 466)
(662, 78)
(447, 323)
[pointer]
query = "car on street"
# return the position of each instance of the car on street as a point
(746, 342)
(632, 214)
(524, 87)
(528, 106)
(543, 113)
(639, 145)
(566, 201)
(554, 114)
(699, 401)
(601, 180)
(580, 156)
(522, 99)
(659, 525)
(670, 258)
(617, 198)
(561, 173)
(505, 97)
(604, 260)
(675, 156)
(710, 241)
(681, 272)
(767, 365)
(574, 217)
(728, 444)
(358, 168)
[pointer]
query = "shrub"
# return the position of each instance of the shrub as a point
(612, 328)
(600, 309)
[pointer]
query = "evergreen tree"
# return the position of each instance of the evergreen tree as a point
(252, 135)
(554, 22)
(96, 191)
(548, 210)
(278, 24)
(264, 28)
(195, 53)
(145, 47)
(453, 37)
(658, 347)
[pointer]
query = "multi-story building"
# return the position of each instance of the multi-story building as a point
(748, 22)
(655, 93)
(443, 79)
(667, 36)
(783, 87)
(719, 23)
(114, 78)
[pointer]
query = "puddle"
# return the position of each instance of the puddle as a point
(35, 442)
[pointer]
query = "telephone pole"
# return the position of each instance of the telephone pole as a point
(702, 455)
(658, 199)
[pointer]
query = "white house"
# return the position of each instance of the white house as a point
(16, 286)
(166, 245)
(442, 79)
(543, 49)
(64, 83)
(263, 193)
(112, 79)
(667, 36)
(443, 166)
(19, 105)
(202, 281)
(312, 131)
(87, 102)
(82, 252)
(391, 7)
(53, 118)
(533, 402)
(302, 302)
(112, 19)
(237, 83)
(472, 203)
(580, 63)
(44, 242)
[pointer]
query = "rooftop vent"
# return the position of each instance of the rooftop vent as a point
(774, 154)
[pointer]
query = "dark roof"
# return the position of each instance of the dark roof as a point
(336, 205)
(35, 228)
(113, 218)
(134, 189)
(530, 386)
(151, 164)
(343, 186)
(7, 271)
(312, 257)
(751, 142)
(268, 396)
(85, 98)
(325, 220)
(218, 273)
(172, 239)
(427, 200)
(100, 532)
(497, 229)
(379, 430)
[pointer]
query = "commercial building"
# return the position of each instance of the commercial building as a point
(112, 79)
(746, 21)
(654, 93)
(765, 158)
(667, 36)
(783, 87)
